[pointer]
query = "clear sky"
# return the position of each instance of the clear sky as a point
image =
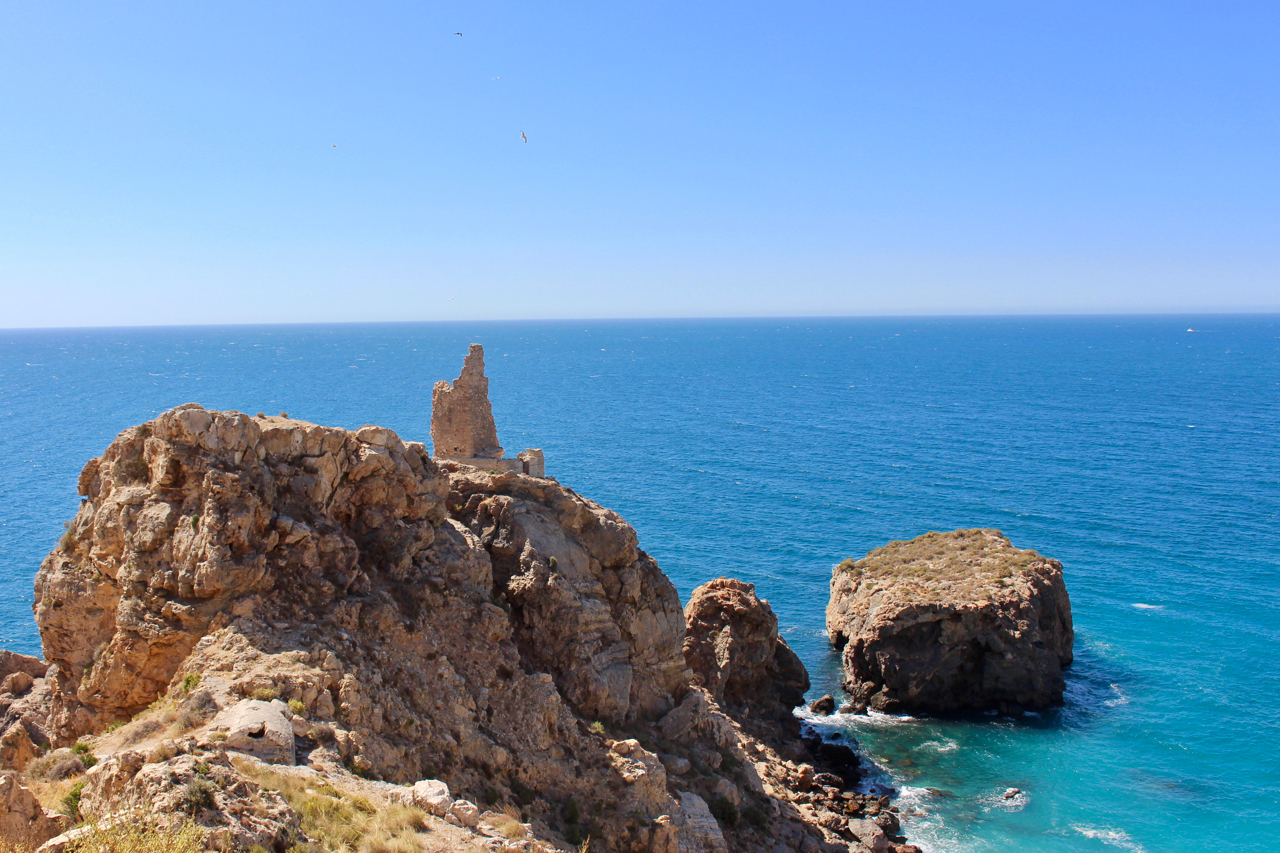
(175, 162)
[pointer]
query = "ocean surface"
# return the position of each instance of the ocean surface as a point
(1144, 456)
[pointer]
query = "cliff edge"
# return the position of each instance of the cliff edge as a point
(254, 622)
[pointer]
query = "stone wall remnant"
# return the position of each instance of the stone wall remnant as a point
(462, 427)
(461, 416)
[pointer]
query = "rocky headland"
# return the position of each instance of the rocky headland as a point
(948, 622)
(278, 636)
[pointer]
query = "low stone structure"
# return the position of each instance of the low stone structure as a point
(462, 427)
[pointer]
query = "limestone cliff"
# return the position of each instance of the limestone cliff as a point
(951, 622)
(492, 632)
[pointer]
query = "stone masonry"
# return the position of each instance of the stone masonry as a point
(462, 427)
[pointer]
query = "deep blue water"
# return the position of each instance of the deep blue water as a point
(1142, 455)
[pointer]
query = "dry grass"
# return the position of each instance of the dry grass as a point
(962, 561)
(128, 836)
(343, 824)
(141, 836)
(51, 794)
(507, 824)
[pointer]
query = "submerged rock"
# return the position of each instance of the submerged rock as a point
(951, 622)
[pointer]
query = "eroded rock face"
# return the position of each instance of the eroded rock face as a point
(732, 646)
(22, 819)
(461, 416)
(497, 633)
(586, 604)
(950, 622)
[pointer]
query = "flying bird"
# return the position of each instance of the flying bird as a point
(335, 146)
(457, 34)
(522, 136)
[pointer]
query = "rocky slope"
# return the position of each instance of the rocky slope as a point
(950, 622)
(248, 614)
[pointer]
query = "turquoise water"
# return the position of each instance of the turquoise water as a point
(1143, 456)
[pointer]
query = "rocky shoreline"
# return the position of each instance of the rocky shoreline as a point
(253, 621)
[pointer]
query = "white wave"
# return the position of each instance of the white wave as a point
(1120, 697)
(1114, 837)
(1142, 606)
(1002, 800)
(940, 745)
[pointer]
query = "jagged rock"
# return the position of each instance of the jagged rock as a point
(235, 813)
(261, 729)
(432, 621)
(22, 819)
(13, 662)
(16, 748)
(951, 621)
(586, 604)
(700, 833)
(869, 834)
(734, 650)
(461, 416)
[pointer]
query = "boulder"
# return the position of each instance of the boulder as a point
(950, 622)
(22, 819)
(261, 729)
(16, 748)
(699, 832)
(732, 645)
(432, 795)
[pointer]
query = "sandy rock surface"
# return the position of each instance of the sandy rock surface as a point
(950, 622)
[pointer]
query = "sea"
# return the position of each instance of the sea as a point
(1143, 452)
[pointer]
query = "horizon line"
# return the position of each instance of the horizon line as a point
(652, 319)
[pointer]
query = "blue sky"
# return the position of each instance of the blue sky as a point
(174, 163)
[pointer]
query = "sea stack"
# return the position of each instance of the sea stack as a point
(948, 622)
(462, 426)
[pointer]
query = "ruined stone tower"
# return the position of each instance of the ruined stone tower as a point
(462, 426)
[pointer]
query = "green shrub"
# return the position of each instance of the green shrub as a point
(724, 811)
(266, 694)
(197, 796)
(71, 802)
(597, 727)
(189, 682)
(570, 811)
(297, 708)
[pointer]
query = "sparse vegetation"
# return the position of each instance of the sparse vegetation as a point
(297, 708)
(198, 796)
(266, 694)
(960, 561)
(85, 755)
(341, 824)
(724, 811)
(71, 801)
(189, 682)
(141, 835)
(597, 727)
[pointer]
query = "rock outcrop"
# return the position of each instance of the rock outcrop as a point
(236, 589)
(951, 622)
(22, 819)
(734, 650)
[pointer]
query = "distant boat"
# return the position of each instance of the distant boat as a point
(1190, 330)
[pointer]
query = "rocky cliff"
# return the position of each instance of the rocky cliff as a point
(950, 622)
(250, 613)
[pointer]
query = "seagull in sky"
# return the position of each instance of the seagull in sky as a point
(335, 146)
(457, 34)
(522, 136)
